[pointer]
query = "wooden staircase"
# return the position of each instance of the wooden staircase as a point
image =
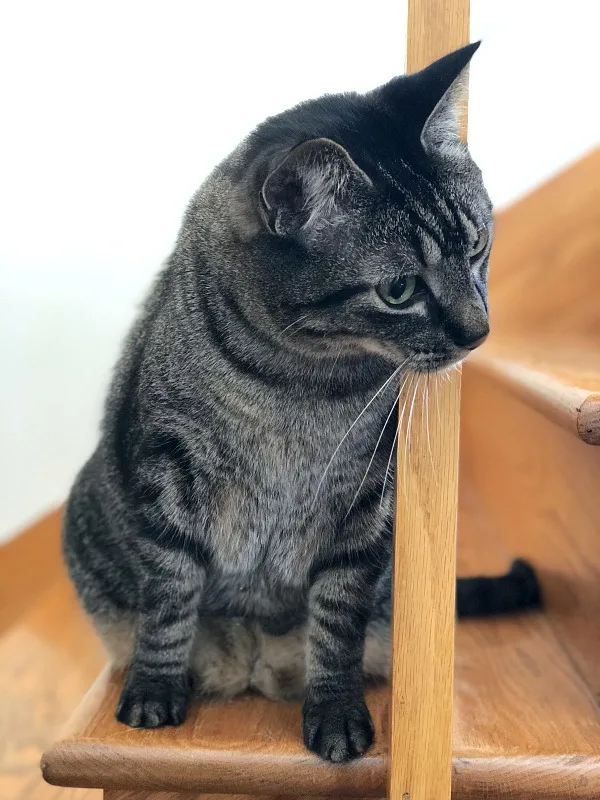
(525, 705)
(526, 718)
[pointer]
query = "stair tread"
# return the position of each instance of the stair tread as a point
(524, 719)
(573, 362)
(544, 263)
(47, 661)
(560, 379)
(526, 725)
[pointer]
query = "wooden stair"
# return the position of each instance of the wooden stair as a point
(526, 717)
(526, 720)
(559, 379)
(531, 410)
(49, 656)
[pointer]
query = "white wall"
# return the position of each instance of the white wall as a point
(113, 113)
(533, 90)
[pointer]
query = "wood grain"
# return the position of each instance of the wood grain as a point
(545, 341)
(541, 489)
(128, 794)
(424, 578)
(29, 564)
(250, 745)
(570, 777)
(525, 723)
(47, 661)
(425, 527)
(434, 28)
(558, 378)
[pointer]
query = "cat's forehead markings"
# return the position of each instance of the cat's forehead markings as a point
(423, 183)
(416, 206)
(470, 226)
(431, 249)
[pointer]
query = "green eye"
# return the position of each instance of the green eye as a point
(397, 292)
(480, 244)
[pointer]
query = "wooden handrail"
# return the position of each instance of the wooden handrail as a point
(425, 523)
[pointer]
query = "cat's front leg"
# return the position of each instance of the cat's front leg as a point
(158, 684)
(337, 723)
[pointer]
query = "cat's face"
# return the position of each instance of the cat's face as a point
(380, 225)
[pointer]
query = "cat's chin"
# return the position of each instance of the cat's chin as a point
(434, 362)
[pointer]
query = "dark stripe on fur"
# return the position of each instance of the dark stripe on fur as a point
(336, 298)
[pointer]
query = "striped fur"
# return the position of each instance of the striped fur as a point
(233, 527)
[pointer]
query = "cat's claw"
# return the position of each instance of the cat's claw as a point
(150, 703)
(338, 730)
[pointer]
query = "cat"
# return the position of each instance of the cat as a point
(234, 523)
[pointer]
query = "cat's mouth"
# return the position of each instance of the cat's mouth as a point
(433, 362)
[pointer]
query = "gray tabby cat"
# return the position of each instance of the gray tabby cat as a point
(234, 523)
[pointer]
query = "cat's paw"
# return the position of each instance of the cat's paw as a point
(339, 729)
(151, 702)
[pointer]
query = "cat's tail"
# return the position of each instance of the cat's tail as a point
(517, 590)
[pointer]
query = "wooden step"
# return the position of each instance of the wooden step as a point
(560, 379)
(546, 258)
(526, 721)
(47, 661)
(539, 484)
(29, 564)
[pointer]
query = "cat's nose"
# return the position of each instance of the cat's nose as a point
(470, 339)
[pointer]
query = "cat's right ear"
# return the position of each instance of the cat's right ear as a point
(431, 100)
(309, 188)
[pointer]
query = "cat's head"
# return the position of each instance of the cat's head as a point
(375, 221)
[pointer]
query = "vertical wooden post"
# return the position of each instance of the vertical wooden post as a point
(426, 511)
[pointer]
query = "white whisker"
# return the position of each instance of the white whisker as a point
(345, 436)
(296, 330)
(409, 425)
(404, 407)
(373, 456)
(427, 420)
(295, 322)
(389, 461)
(387, 469)
(333, 366)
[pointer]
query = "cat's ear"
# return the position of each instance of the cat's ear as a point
(442, 127)
(309, 187)
(435, 97)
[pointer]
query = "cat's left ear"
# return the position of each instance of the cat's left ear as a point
(310, 187)
(435, 96)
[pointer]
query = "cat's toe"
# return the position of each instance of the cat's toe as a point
(151, 703)
(338, 730)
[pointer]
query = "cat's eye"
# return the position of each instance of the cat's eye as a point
(399, 291)
(480, 244)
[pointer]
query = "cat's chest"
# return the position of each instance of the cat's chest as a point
(287, 495)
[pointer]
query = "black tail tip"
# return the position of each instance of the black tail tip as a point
(485, 595)
(525, 575)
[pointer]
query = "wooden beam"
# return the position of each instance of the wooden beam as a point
(425, 523)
